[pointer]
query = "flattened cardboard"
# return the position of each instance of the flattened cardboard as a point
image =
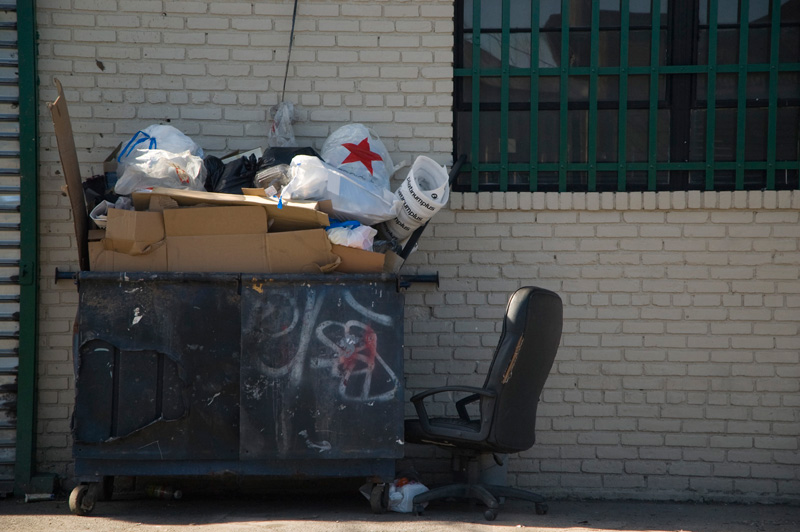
(294, 217)
(300, 251)
(217, 253)
(194, 221)
(133, 232)
(106, 260)
(72, 173)
(358, 260)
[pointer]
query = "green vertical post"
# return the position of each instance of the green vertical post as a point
(711, 93)
(29, 248)
(563, 98)
(475, 149)
(622, 120)
(534, 120)
(774, 43)
(505, 39)
(652, 130)
(594, 65)
(741, 91)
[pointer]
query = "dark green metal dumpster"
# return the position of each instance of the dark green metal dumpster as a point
(269, 375)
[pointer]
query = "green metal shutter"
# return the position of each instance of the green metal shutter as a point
(18, 240)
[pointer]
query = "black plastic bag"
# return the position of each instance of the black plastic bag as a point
(276, 156)
(232, 177)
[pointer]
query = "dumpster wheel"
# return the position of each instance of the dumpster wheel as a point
(379, 498)
(82, 499)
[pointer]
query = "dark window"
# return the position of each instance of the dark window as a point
(570, 95)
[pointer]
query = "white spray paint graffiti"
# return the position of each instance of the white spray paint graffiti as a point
(351, 354)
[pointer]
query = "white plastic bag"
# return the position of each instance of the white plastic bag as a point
(358, 150)
(351, 198)
(353, 236)
(281, 133)
(401, 494)
(156, 137)
(99, 214)
(159, 168)
(425, 190)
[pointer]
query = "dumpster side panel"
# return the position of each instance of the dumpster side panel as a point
(322, 370)
(157, 369)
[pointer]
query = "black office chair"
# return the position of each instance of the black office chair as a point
(506, 403)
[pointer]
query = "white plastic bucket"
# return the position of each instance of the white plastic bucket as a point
(425, 190)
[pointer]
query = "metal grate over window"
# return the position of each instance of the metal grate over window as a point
(627, 95)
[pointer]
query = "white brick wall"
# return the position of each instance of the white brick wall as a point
(678, 371)
(677, 375)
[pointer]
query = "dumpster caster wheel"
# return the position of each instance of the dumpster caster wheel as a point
(418, 509)
(81, 501)
(490, 514)
(379, 498)
(541, 509)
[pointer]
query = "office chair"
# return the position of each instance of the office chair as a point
(506, 403)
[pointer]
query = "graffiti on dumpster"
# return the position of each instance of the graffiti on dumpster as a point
(356, 358)
(349, 351)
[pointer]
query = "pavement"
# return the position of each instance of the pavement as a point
(350, 512)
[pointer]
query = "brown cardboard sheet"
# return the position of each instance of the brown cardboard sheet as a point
(293, 217)
(358, 260)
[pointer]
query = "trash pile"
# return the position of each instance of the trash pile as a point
(164, 205)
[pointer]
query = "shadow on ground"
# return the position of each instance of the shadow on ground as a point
(351, 512)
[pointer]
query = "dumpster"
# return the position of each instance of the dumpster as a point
(285, 375)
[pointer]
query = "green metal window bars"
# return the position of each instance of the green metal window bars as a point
(560, 95)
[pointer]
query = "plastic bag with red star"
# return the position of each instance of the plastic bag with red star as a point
(351, 198)
(357, 150)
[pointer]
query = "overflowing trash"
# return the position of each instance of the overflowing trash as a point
(344, 192)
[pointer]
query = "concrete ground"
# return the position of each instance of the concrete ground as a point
(348, 512)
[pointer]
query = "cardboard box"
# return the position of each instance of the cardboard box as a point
(300, 251)
(209, 239)
(106, 260)
(217, 253)
(296, 216)
(358, 260)
(216, 239)
(193, 221)
(289, 252)
(133, 232)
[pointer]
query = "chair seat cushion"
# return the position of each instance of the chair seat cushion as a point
(446, 431)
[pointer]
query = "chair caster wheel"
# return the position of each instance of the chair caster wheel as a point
(541, 509)
(490, 514)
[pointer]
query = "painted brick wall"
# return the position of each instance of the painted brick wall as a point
(677, 376)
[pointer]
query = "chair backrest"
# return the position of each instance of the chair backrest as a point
(521, 364)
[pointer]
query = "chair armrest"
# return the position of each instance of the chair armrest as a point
(466, 389)
(475, 393)
(461, 405)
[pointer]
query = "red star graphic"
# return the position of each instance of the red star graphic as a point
(361, 152)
